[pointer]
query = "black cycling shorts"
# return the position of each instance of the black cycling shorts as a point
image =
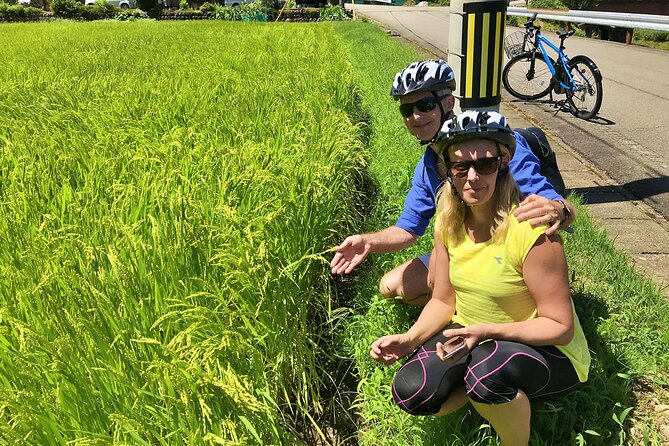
(492, 373)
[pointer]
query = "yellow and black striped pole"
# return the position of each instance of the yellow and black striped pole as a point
(476, 52)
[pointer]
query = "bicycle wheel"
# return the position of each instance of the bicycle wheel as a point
(523, 83)
(586, 98)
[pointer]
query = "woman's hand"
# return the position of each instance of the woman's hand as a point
(472, 335)
(389, 349)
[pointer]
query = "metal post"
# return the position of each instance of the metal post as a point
(475, 52)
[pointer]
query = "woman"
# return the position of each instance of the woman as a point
(501, 289)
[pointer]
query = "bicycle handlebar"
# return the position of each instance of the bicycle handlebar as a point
(530, 22)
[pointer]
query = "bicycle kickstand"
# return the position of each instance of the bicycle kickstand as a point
(559, 105)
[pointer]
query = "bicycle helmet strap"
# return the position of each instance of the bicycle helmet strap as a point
(502, 170)
(444, 117)
(453, 189)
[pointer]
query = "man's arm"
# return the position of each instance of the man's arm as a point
(542, 204)
(354, 249)
(418, 209)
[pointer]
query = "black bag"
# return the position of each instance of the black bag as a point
(536, 139)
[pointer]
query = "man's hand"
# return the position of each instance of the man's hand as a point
(350, 253)
(539, 211)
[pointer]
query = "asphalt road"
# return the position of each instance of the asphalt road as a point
(628, 141)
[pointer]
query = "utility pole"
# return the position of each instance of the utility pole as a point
(475, 52)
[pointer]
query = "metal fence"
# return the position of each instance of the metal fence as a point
(613, 19)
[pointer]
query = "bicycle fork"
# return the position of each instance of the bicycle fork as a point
(530, 73)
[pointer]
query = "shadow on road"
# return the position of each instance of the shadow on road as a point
(601, 121)
(561, 106)
(641, 189)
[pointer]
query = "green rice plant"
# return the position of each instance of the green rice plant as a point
(163, 214)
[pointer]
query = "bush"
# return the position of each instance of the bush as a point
(66, 8)
(332, 14)
(651, 36)
(89, 13)
(207, 7)
(105, 7)
(227, 13)
(19, 13)
(248, 12)
(183, 4)
(270, 5)
(99, 11)
(254, 12)
(515, 20)
(547, 4)
(130, 15)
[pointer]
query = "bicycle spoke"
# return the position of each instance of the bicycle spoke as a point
(586, 97)
(524, 83)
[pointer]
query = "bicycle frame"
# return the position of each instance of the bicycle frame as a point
(539, 41)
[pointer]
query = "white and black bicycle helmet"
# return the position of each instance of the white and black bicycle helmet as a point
(433, 76)
(476, 125)
(425, 75)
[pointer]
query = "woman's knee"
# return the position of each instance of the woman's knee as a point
(410, 396)
(408, 281)
(498, 369)
(485, 381)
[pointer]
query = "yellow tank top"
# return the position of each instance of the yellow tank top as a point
(489, 285)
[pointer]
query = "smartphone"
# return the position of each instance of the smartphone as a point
(455, 348)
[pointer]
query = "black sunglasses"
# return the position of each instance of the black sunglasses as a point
(484, 166)
(424, 105)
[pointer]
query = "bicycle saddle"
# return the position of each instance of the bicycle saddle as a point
(565, 34)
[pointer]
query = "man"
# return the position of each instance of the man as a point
(424, 90)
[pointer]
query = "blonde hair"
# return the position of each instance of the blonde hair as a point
(451, 209)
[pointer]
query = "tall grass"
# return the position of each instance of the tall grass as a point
(623, 313)
(165, 192)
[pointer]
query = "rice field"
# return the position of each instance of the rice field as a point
(169, 197)
(167, 191)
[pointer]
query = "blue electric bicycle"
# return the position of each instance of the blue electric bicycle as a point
(529, 77)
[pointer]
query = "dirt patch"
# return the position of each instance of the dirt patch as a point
(650, 421)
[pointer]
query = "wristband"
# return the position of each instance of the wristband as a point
(565, 211)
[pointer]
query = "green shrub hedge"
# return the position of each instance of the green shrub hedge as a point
(18, 13)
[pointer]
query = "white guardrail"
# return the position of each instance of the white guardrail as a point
(615, 19)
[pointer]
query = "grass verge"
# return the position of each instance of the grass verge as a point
(623, 313)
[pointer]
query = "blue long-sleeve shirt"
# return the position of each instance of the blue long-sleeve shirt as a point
(420, 203)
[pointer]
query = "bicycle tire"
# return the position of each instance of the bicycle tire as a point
(586, 100)
(518, 82)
